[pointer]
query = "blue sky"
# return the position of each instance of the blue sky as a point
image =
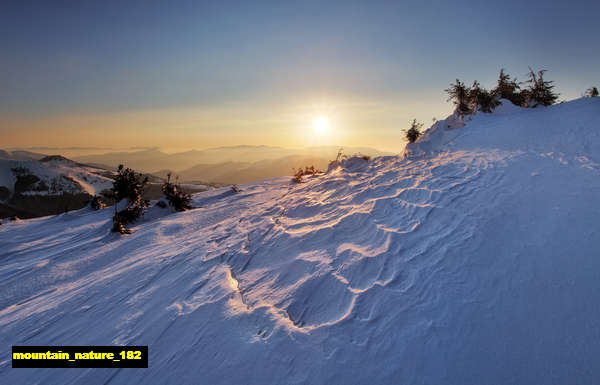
(257, 71)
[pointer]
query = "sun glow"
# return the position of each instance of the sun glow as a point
(321, 125)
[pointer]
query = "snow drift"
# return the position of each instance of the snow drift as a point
(473, 258)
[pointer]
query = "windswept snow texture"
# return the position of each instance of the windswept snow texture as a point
(475, 259)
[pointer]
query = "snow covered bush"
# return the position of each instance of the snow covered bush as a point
(307, 171)
(414, 132)
(482, 99)
(509, 89)
(126, 216)
(459, 94)
(591, 92)
(469, 100)
(540, 91)
(298, 176)
(128, 186)
(338, 158)
(96, 203)
(177, 198)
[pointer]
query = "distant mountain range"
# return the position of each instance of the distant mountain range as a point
(21, 155)
(243, 172)
(34, 184)
(234, 164)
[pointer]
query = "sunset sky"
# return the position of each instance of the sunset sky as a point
(193, 74)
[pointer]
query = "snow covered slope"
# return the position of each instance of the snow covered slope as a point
(55, 175)
(475, 259)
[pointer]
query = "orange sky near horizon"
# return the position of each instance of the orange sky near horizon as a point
(354, 123)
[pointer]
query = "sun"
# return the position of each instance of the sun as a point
(321, 125)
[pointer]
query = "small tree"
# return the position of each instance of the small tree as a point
(524, 98)
(176, 197)
(591, 92)
(540, 90)
(414, 132)
(482, 98)
(508, 88)
(459, 94)
(128, 185)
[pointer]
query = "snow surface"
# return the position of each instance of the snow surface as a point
(473, 259)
